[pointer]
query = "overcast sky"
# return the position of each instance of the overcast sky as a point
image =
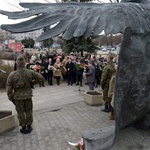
(13, 5)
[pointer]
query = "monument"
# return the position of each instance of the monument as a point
(130, 17)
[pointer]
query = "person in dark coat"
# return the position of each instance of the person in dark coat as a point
(70, 68)
(15, 65)
(41, 71)
(50, 71)
(98, 73)
(90, 75)
(79, 71)
(44, 64)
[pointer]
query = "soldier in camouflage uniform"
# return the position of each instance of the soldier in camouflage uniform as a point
(19, 91)
(105, 79)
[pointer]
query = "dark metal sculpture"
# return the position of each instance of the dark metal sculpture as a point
(81, 19)
(132, 93)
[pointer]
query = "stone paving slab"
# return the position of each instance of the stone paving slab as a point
(49, 96)
(54, 127)
(60, 115)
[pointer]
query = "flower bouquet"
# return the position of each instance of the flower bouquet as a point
(42, 69)
(79, 66)
(37, 68)
(51, 68)
(31, 67)
(78, 146)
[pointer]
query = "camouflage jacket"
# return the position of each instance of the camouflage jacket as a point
(108, 71)
(19, 83)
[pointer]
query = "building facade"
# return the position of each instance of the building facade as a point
(20, 36)
(33, 35)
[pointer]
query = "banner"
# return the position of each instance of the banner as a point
(15, 46)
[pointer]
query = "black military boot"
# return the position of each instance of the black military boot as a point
(77, 83)
(23, 130)
(29, 128)
(105, 109)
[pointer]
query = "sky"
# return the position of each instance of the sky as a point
(13, 5)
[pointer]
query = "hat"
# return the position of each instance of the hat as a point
(21, 61)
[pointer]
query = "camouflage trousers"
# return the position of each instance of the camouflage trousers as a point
(24, 110)
(106, 99)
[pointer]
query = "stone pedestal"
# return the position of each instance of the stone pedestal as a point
(127, 139)
(7, 122)
(93, 98)
(99, 139)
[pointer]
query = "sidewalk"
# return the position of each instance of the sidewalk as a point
(60, 115)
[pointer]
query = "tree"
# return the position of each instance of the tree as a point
(79, 44)
(28, 42)
(103, 40)
(1, 37)
(47, 43)
(114, 39)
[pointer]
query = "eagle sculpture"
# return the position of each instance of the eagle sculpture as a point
(130, 17)
(80, 19)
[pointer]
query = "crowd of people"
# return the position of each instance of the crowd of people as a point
(70, 68)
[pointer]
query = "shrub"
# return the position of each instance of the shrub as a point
(7, 55)
(3, 76)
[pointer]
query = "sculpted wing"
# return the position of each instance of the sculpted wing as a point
(81, 19)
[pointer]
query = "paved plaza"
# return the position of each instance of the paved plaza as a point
(60, 115)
